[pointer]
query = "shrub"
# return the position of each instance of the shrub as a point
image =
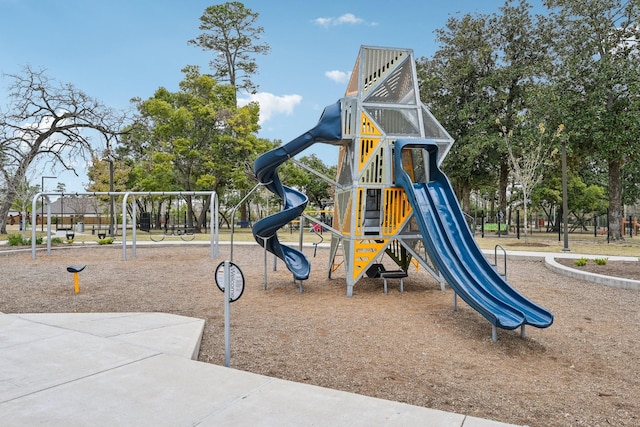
(601, 261)
(106, 241)
(581, 262)
(56, 240)
(38, 241)
(16, 240)
(491, 226)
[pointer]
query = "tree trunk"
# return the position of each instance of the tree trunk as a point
(526, 222)
(615, 200)
(466, 196)
(457, 191)
(4, 212)
(502, 187)
(23, 223)
(10, 195)
(492, 209)
(190, 215)
(202, 218)
(244, 212)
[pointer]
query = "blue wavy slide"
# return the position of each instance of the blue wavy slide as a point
(454, 251)
(266, 166)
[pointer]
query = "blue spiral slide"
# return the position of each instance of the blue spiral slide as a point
(266, 166)
(454, 251)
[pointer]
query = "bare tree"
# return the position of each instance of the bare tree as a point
(49, 121)
(528, 155)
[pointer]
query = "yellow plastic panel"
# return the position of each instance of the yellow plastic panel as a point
(367, 148)
(365, 251)
(368, 145)
(342, 212)
(396, 210)
(359, 202)
(407, 162)
(374, 172)
(367, 127)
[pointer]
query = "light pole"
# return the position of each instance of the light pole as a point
(565, 202)
(112, 209)
(42, 201)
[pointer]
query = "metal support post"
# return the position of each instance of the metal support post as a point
(227, 315)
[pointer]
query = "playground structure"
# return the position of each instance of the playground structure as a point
(391, 197)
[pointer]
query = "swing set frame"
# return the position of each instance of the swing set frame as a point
(213, 207)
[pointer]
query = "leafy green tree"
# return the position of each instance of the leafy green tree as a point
(317, 189)
(453, 86)
(230, 32)
(584, 200)
(98, 174)
(547, 197)
(596, 71)
(631, 181)
(519, 42)
(484, 70)
(194, 139)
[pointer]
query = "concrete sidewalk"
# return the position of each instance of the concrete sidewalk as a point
(136, 369)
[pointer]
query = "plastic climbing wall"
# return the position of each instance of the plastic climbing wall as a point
(381, 104)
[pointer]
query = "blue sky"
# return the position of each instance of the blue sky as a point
(119, 49)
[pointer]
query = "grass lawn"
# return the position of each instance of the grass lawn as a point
(581, 243)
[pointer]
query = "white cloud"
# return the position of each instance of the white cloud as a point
(337, 76)
(323, 22)
(271, 105)
(347, 18)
